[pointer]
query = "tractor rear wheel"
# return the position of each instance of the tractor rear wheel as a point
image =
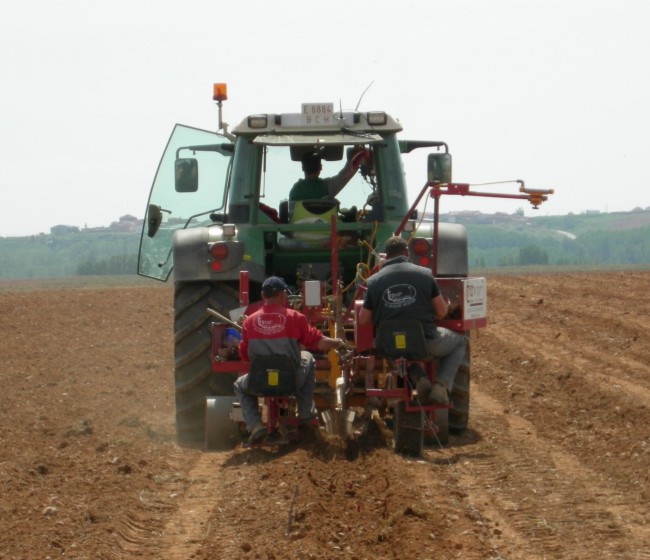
(408, 434)
(459, 414)
(194, 380)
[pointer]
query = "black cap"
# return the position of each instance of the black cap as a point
(272, 285)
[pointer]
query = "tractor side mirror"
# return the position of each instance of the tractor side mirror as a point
(439, 167)
(154, 218)
(186, 175)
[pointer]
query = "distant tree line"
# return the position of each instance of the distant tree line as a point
(491, 246)
(115, 265)
(556, 241)
(69, 254)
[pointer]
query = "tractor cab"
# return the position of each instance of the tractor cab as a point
(231, 196)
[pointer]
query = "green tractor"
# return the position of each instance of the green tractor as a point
(220, 220)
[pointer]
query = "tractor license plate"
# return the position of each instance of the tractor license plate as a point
(317, 113)
(475, 298)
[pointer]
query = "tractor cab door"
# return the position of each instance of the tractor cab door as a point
(190, 185)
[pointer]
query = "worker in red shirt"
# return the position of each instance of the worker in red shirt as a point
(275, 329)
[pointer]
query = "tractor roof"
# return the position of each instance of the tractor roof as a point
(324, 127)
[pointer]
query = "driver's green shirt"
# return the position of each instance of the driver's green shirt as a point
(312, 188)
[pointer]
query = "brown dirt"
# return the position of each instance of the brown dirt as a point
(556, 463)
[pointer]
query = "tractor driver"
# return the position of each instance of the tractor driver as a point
(314, 187)
(276, 329)
(425, 305)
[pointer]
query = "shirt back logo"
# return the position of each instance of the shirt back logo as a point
(400, 295)
(269, 323)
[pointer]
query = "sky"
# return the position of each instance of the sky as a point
(553, 92)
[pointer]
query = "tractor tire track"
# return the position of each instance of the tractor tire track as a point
(546, 502)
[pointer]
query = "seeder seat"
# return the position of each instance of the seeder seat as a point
(272, 376)
(401, 339)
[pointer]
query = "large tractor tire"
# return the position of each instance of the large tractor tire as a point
(408, 433)
(459, 414)
(193, 375)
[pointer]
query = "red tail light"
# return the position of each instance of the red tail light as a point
(422, 250)
(421, 247)
(219, 251)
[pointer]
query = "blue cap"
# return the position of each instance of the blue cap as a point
(272, 285)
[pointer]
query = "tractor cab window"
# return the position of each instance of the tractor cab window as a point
(283, 174)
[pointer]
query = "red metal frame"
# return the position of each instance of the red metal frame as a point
(403, 393)
(436, 190)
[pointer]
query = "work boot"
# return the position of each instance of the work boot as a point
(439, 394)
(257, 433)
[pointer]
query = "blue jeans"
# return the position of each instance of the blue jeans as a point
(305, 384)
(449, 347)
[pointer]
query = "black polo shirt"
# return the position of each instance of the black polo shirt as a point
(403, 290)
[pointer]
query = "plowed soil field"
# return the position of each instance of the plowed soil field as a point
(555, 463)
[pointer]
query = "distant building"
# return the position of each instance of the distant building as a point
(126, 223)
